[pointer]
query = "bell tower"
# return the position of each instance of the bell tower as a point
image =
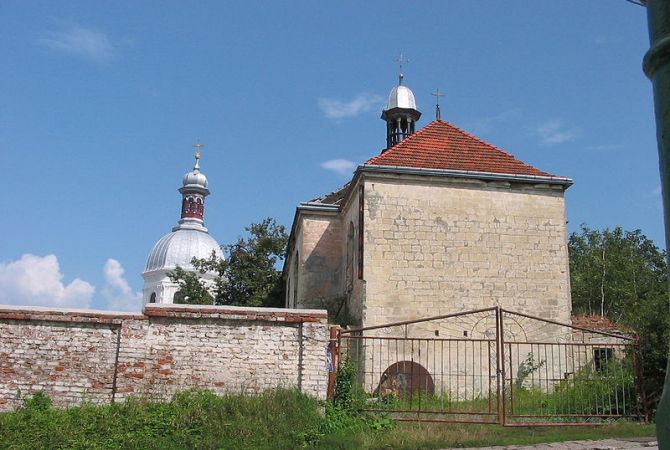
(400, 114)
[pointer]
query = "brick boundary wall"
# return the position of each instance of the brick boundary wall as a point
(103, 357)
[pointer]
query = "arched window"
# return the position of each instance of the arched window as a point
(152, 299)
(351, 250)
(295, 282)
(288, 293)
(178, 298)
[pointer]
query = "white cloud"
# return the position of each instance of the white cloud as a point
(337, 109)
(37, 280)
(555, 132)
(341, 166)
(85, 42)
(117, 292)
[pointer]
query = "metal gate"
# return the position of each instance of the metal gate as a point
(491, 366)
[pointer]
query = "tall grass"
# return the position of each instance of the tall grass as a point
(282, 419)
(195, 419)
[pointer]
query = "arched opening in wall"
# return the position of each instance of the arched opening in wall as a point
(178, 298)
(351, 250)
(295, 282)
(288, 293)
(404, 379)
(152, 299)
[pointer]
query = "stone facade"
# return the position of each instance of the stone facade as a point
(437, 246)
(102, 357)
(434, 245)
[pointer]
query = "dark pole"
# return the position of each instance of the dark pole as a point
(657, 68)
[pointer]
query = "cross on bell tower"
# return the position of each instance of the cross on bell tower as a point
(437, 95)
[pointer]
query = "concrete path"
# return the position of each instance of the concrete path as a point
(605, 444)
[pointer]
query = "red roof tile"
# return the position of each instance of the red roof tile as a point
(596, 322)
(441, 145)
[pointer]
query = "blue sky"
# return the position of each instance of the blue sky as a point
(101, 102)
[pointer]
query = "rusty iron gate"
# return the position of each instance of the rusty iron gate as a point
(491, 366)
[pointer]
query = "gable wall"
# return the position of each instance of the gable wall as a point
(434, 247)
(353, 312)
(319, 241)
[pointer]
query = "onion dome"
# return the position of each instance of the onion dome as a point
(195, 179)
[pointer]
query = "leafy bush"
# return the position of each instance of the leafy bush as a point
(38, 402)
(590, 393)
(346, 413)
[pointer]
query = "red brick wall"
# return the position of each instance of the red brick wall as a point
(101, 357)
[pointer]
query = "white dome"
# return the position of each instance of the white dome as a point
(401, 97)
(195, 177)
(179, 248)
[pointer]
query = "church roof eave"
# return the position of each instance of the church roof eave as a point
(473, 174)
(316, 206)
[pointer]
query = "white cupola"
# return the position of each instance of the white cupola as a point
(189, 239)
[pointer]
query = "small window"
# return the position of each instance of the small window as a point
(152, 299)
(296, 279)
(601, 357)
(178, 298)
(288, 293)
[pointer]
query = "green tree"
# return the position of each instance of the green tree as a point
(246, 276)
(622, 275)
(192, 290)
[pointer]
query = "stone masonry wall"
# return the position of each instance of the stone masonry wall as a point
(435, 246)
(320, 274)
(103, 357)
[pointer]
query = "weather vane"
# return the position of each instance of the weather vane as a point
(402, 60)
(437, 95)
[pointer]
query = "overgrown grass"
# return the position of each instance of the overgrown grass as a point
(594, 396)
(193, 419)
(281, 419)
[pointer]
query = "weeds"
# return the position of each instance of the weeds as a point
(279, 419)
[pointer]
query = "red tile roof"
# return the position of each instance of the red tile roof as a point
(441, 145)
(596, 322)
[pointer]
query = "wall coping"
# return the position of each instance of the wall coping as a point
(51, 314)
(43, 313)
(236, 313)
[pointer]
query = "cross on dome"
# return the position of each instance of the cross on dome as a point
(401, 60)
(198, 146)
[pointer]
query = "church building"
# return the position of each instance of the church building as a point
(188, 239)
(439, 222)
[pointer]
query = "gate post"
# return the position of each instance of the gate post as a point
(500, 344)
(498, 378)
(333, 360)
